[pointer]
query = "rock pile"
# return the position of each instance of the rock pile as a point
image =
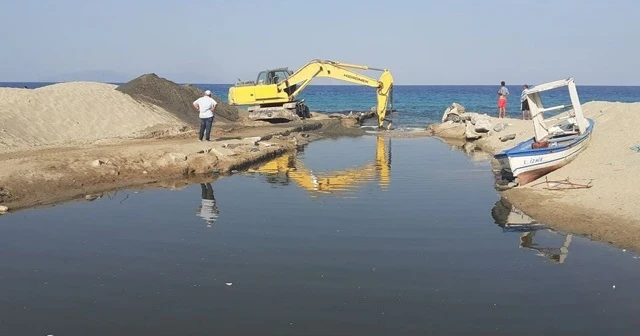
(174, 98)
(460, 124)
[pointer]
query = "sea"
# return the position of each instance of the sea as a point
(420, 105)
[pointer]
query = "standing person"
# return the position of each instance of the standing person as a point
(205, 105)
(503, 92)
(524, 103)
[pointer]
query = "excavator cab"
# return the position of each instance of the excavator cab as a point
(275, 76)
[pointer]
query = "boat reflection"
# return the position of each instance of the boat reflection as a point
(289, 167)
(512, 219)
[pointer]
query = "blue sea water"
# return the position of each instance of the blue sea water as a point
(419, 105)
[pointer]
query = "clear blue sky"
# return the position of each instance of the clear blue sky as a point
(421, 42)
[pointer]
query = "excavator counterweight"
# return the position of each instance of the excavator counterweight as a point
(274, 94)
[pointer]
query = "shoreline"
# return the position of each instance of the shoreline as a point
(53, 151)
(53, 175)
(605, 212)
(165, 161)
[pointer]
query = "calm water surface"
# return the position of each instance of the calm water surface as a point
(360, 236)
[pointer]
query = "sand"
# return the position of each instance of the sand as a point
(176, 99)
(607, 211)
(608, 162)
(76, 112)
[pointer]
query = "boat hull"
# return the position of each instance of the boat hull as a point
(525, 164)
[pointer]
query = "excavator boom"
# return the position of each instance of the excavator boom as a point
(282, 92)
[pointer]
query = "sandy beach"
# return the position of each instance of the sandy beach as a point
(75, 140)
(608, 211)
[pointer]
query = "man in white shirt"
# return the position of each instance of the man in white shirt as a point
(205, 105)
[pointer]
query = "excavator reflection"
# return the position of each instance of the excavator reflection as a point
(511, 219)
(289, 168)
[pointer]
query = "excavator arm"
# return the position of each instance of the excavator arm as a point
(344, 72)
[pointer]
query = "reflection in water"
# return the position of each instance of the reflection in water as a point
(512, 219)
(470, 149)
(288, 168)
(208, 209)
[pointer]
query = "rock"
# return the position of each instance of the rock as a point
(470, 133)
(507, 137)
(91, 197)
(221, 152)
(500, 127)
(97, 163)
(469, 116)
(482, 124)
(171, 159)
(453, 113)
(177, 157)
(252, 140)
(448, 130)
(4, 209)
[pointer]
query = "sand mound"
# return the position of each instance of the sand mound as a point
(608, 160)
(175, 98)
(71, 112)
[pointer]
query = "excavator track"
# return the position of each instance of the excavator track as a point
(287, 112)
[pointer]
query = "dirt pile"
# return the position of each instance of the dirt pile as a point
(75, 112)
(174, 98)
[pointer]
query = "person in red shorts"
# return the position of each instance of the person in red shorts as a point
(503, 92)
(502, 105)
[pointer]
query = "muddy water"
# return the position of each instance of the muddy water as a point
(349, 237)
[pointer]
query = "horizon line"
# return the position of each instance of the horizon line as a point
(349, 84)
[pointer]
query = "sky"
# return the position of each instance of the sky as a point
(421, 42)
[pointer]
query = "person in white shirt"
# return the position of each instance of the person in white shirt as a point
(205, 105)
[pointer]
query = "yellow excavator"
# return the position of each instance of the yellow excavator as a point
(274, 94)
(289, 167)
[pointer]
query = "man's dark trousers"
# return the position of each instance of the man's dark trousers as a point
(205, 128)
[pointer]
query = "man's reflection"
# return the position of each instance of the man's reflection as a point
(208, 209)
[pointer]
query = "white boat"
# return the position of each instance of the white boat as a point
(557, 140)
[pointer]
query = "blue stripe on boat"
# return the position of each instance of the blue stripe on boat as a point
(524, 147)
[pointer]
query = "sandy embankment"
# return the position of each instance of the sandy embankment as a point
(68, 140)
(609, 210)
(73, 113)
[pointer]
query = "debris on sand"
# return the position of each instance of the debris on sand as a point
(174, 98)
